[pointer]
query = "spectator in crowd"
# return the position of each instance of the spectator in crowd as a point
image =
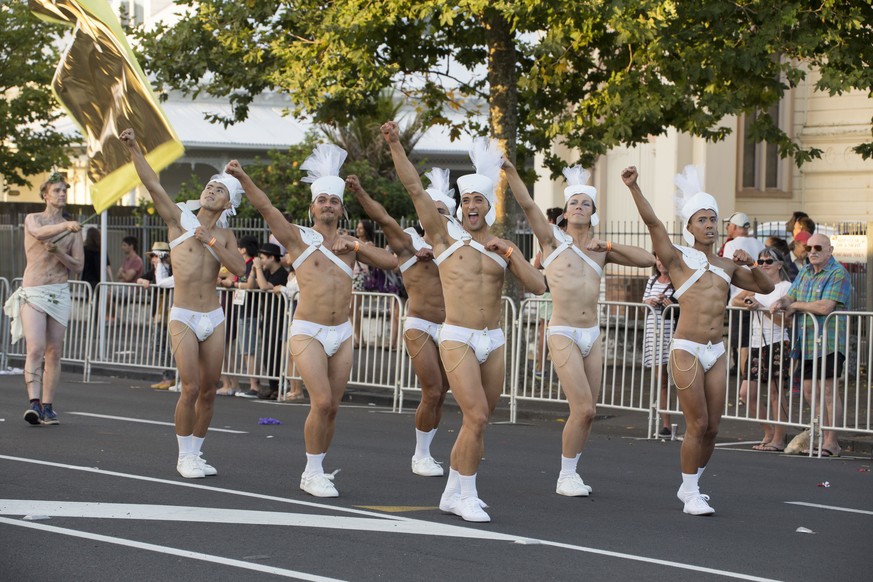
(544, 312)
(822, 287)
(775, 242)
(91, 266)
(798, 251)
(804, 224)
(267, 273)
(792, 220)
(738, 226)
(659, 333)
(769, 350)
(160, 274)
(366, 233)
(132, 266)
(247, 315)
(39, 310)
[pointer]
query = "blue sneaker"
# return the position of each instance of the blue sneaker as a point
(34, 414)
(49, 416)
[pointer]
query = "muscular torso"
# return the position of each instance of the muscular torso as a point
(472, 285)
(43, 267)
(702, 306)
(195, 272)
(575, 288)
(325, 290)
(422, 282)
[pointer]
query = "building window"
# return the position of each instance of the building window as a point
(761, 170)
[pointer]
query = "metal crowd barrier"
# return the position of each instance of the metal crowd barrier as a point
(378, 335)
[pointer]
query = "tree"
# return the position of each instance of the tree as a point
(592, 74)
(29, 141)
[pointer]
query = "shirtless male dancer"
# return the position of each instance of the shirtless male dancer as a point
(573, 331)
(40, 308)
(426, 312)
(702, 281)
(472, 264)
(321, 332)
(199, 245)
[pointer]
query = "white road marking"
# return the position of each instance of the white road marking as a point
(831, 507)
(467, 533)
(738, 443)
(172, 551)
(129, 419)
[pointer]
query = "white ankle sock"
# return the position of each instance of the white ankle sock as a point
(422, 443)
(314, 464)
(197, 443)
(468, 486)
(689, 482)
(568, 465)
(186, 445)
(453, 483)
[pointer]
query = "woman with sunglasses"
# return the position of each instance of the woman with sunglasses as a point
(769, 349)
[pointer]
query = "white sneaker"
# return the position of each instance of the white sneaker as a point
(449, 501)
(190, 468)
(176, 388)
(208, 469)
(472, 509)
(318, 485)
(573, 486)
(426, 467)
(697, 505)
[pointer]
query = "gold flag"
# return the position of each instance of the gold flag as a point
(104, 90)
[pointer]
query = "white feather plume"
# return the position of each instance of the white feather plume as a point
(487, 158)
(689, 183)
(326, 160)
(576, 175)
(439, 181)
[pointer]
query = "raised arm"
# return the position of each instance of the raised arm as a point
(163, 203)
(660, 239)
(434, 225)
(751, 280)
(285, 233)
(627, 255)
(397, 239)
(540, 225)
(366, 253)
(529, 276)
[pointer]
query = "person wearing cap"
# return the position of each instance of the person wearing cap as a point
(321, 332)
(702, 280)
(200, 244)
(799, 256)
(738, 226)
(160, 274)
(472, 264)
(267, 273)
(39, 310)
(426, 307)
(573, 332)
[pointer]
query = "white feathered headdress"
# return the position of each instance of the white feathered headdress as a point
(323, 167)
(439, 188)
(691, 198)
(487, 158)
(577, 183)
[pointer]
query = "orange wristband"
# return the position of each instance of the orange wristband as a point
(211, 243)
(357, 245)
(608, 246)
(508, 253)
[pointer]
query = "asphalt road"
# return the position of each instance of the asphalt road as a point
(97, 498)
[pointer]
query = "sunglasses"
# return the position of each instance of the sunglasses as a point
(816, 248)
(766, 261)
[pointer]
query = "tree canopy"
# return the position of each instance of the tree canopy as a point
(592, 74)
(29, 141)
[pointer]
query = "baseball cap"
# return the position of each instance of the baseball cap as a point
(802, 237)
(739, 219)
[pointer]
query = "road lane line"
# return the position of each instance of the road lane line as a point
(831, 507)
(171, 551)
(143, 421)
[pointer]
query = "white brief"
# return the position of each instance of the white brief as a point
(706, 354)
(482, 341)
(430, 328)
(202, 324)
(330, 337)
(583, 337)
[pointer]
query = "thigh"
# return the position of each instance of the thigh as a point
(33, 323)
(186, 351)
(715, 390)
(339, 368)
(572, 374)
(426, 360)
(688, 376)
(465, 376)
(54, 334)
(312, 366)
(211, 357)
(493, 374)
